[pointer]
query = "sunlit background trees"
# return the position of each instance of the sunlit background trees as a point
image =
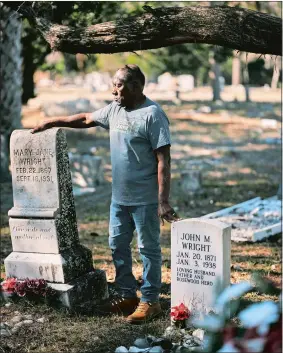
(25, 54)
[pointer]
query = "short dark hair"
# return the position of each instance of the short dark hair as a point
(133, 73)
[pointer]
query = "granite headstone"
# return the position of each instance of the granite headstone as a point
(43, 220)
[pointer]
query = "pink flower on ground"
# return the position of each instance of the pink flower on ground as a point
(20, 289)
(9, 285)
(274, 338)
(180, 312)
(229, 333)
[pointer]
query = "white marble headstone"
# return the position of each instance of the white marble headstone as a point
(185, 83)
(166, 82)
(200, 261)
(34, 174)
(43, 220)
(34, 235)
(42, 190)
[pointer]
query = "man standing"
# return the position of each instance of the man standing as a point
(140, 157)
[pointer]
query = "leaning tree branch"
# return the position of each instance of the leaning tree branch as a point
(235, 28)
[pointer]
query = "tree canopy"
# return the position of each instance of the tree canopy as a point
(231, 27)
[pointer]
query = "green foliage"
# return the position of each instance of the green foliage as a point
(34, 51)
(178, 59)
(258, 74)
(147, 60)
(56, 68)
(76, 14)
(31, 40)
(184, 58)
(84, 13)
(221, 54)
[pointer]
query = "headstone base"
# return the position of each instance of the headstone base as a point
(60, 268)
(84, 292)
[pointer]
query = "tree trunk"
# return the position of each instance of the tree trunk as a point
(28, 72)
(11, 82)
(232, 27)
(28, 83)
(245, 75)
(236, 70)
(215, 66)
(215, 75)
(70, 62)
(276, 73)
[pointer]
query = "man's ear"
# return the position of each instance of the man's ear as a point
(137, 86)
(129, 85)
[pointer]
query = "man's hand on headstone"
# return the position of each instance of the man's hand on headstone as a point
(40, 127)
(167, 213)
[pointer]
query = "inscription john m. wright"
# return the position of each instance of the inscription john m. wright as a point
(195, 263)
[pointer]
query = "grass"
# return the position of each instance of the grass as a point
(248, 169)
(66, 333)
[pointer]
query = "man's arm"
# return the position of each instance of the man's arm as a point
(165, 211)
(78, 121)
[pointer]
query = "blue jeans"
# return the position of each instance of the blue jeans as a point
(123, 221)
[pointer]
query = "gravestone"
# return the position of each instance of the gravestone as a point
(185, 83)
(99, 82)
(43, 220)
(166, 82)
(200, 262)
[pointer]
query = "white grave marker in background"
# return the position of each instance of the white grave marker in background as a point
(200, 261)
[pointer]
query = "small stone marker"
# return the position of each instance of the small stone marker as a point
(185, 83)
(200, 261)
(43, 220)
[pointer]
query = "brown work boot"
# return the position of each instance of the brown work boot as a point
(144, 313)
(120, 306)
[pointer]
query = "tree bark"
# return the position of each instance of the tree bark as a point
(232, 27)
(28, 72)
(11, 82)
(276, 73)
(215, 65)
(246, 78)
(215, 75)
(70, 63)
(236, 70)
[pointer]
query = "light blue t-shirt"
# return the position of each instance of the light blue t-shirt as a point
(134, 135)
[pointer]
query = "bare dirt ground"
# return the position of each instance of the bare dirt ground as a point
(245, 162)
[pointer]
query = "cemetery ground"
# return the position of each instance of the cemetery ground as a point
(240, 158)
